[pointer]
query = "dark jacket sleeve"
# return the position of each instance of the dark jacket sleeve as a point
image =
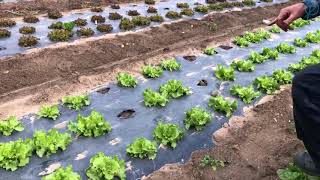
(312, 9)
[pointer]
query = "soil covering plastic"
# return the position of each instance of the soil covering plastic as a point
(140, 121)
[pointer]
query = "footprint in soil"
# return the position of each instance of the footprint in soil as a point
(126, 114)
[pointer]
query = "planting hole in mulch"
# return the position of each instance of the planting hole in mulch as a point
(126, 114)
(202, 82)
(190, 58)
(103, 90)
(225, 47)
(166, 49)
(166, 8)
(2, 48)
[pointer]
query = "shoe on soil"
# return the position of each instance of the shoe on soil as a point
(306, 164)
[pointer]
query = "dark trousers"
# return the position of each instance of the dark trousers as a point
(306, 109)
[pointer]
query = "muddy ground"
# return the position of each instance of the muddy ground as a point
(36, 7)
(255, 146)
(45, 75)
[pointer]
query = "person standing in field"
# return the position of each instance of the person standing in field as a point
(305, 93)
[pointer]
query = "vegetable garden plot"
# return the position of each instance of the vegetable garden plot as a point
(10, 45)
(145, 119)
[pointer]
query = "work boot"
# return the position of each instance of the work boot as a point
(306, 164)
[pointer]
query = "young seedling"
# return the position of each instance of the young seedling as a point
(282, 77)
(152, 9)
(173, 15)
(80, 22)
(285, 48)
(7, 22)
(246, 94)
(115, 16)
(98, 19)
(270, 53)
(312, 37)
(15, 154)
(4, 33)
(85, 32)
(133, 13)
(174, 89)
(27, 41)
(210, 51)
(249, 2)
(201, 9)
(105, 28)
(292, 172)
(30, 19)
(47, 143)
(266, 84)
(141, 21)
(152, 71)
(76, 102)
(316, 53)
(300, 23)
(27, 30)
(150, 2)
(296, 67)
(152, 98)
(240, 41)
(126, 24)
(170, 65)
(142, 148)
(106, 167)
(214, 164)
(275, 29)
(63, 173)
(93, 125)
(197, 118)
(50, 112)
(9, 125)
(168, 134)
(220, 104)
(96, 9)
(243, 65)
(126, 80)
(182, 5)
(156, 18)
(60, 35)
(257, 58)
(224, 73)
(54, 14)
(300, 42)
(187, 12)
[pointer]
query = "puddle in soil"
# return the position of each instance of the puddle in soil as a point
(42, 30)
(146, 119)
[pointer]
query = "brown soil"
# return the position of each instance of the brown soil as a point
(35, 7)
(255, 146)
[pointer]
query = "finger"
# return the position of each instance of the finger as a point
(282, 25)
(290, 19)
(272, 22)
(283, 15)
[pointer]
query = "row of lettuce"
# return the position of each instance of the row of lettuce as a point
(63, 31)
(16, 154)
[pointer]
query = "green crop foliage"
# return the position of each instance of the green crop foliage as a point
(241, 41)
(257, 58)
(126, 24)
(220, 104)
(249, 2)
(286, 48)
(170, 65)
(282, 77)
(63, 174)
(246, 94)
(126, 80)
(173, 15)
(93, 125)
(187, 12)
(292, 172)
(312, 37)
(225, 73)
(210, 51)
(156, 18)
(106, 167)
(308, 61)
(214, 164)
(243, 66)
(197, 118)
(270, 53)
(142, 148)
(168, 134)
(275, 29)
(141, 21)
(258, 36)
(152, 71)
(266, 84)
(152, 98)
(300, 42)
(201, 9)
(60, 35)
(316, 53)
(262, 34)
(174, 89)
(15, 154)
(76, 102)
(182, 5)
(7, 126)
(296, 67)
(300, 23)
(50, 112)
(49, 143)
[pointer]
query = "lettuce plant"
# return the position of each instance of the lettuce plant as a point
(300, 42)
(316, 53)
(246, 94)
(285, 48)
(51, 112)
(76, 102)
(257, 58)
(174, 89)
(300, 23)
(15, 154)
(282, 77)
(225, 73)
(210, 51)
(93, 125)
(213, 163)
(187, 12)
(197, 118)
(241, 41)
(170, 65)
(312, 37)
(266, 84)
(296, 67)
(152, 98)
(106, 167)
(182, 5)
(126, 80)
(270, 53)
(152, 71)
(292, 172)
(275, 29)
(7, 126)
(168, 134)
(262, 34)
(142, 148)
(63, 174)
(49, 143)
(243, 66)
(220, 104)
(201, 9)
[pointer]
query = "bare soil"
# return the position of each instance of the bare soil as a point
(45, 75)
(255, 146)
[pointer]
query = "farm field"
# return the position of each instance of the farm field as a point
(209, 94)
